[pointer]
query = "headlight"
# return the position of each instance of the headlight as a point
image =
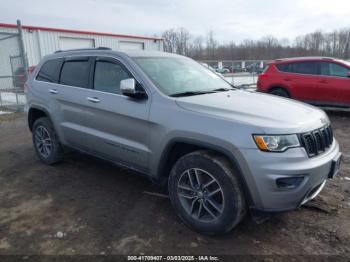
(274, 143)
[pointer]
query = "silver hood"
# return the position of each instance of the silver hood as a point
(268, 113)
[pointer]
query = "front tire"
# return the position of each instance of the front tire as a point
(206, 194)
(46, 142)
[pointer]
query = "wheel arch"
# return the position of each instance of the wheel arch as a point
(279, 86)
(34, 113)
(170, 156)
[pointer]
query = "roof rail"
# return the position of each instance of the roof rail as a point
(84, 49)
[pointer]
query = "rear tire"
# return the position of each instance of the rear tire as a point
(206, 194)
(46, 142)
(279, 92)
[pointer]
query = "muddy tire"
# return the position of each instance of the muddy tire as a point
(205, 191)
(46, 142)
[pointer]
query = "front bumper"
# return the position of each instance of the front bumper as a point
(264, 168)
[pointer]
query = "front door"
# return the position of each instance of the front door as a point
(334, 84)
(118, 126)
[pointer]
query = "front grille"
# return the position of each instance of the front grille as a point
(317, 141)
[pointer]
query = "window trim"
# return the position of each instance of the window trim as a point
(333, 62)
(41, 67)
(92, 72)
(77, 58)
(114, 60)
(316, 61)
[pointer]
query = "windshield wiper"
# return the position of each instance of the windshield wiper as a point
(191, 93)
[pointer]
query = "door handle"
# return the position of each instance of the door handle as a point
(287, 79)
(323, 82)
(93, 99)
(53, 91)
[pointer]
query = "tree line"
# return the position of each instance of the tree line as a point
(318, 43)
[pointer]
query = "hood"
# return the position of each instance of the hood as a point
(268, 113)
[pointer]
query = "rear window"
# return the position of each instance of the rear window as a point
(75, 73)
(284, 67)
(50, 71)
(305, 67)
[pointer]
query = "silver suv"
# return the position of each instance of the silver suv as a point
(220, 151)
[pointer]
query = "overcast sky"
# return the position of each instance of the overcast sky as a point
(229, 19)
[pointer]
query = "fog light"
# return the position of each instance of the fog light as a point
(289, 182)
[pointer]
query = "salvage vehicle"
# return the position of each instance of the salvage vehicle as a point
(320, 81)
(219, 151)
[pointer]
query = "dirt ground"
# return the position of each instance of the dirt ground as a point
(87, 206)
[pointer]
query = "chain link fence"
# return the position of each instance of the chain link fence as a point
(241, 73)
(13, 71)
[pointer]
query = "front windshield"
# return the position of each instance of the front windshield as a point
(178, 75)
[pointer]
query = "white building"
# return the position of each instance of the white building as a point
(41, 41)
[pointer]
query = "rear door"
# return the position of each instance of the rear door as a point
(303, 79)
(118, 125)
(334, 85)
(70, 95)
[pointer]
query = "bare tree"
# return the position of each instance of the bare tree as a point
(176, 40)
(169, 37)
(211, 45)
(335, 44)
(182, 41)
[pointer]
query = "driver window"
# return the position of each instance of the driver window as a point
(108, 76)
(333, 69)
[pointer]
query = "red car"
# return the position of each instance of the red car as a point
(315, 80)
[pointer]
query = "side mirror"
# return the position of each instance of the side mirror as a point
(128, 87)
(348, 74)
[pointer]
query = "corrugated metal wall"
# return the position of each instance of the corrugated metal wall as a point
(39, 43)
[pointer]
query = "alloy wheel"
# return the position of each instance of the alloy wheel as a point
(43, 141)
(200, 194)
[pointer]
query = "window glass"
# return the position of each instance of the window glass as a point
(333, 69)
(286, 67)
(173, 75)
(75, 73)
(108, 76)
(306, 67)
(50, 71)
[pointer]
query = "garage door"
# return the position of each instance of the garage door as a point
(128, 45)
(74, 43)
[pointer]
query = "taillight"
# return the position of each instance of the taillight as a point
(262, 75)
(260, 79)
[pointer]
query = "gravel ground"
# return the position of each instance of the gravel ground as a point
(86, 206)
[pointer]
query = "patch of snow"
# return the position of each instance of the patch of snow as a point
(60, 234)
(5, 113)
(241, 80)
(10, 98)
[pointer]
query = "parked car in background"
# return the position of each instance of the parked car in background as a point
(222, 70)
(20, 76)
(316, 80)
(254, 68)
(209, 67)
(236, 69)
(220, 151)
